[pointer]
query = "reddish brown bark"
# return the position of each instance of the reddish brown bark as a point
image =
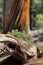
(24, 20)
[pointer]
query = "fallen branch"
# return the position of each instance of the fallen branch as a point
(19, 49)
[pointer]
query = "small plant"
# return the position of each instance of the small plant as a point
(21, 35)
(39, 18)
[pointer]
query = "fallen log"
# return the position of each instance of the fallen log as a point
(20, 50)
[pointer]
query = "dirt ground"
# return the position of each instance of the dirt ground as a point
(39, 61)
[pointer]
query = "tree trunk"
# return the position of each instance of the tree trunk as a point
(21, 20)
(24, 20)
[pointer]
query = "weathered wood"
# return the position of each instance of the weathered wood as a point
(3, 58)
(19, 49)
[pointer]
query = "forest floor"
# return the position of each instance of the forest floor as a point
(39, 61)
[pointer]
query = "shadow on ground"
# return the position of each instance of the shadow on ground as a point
(10, 61)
